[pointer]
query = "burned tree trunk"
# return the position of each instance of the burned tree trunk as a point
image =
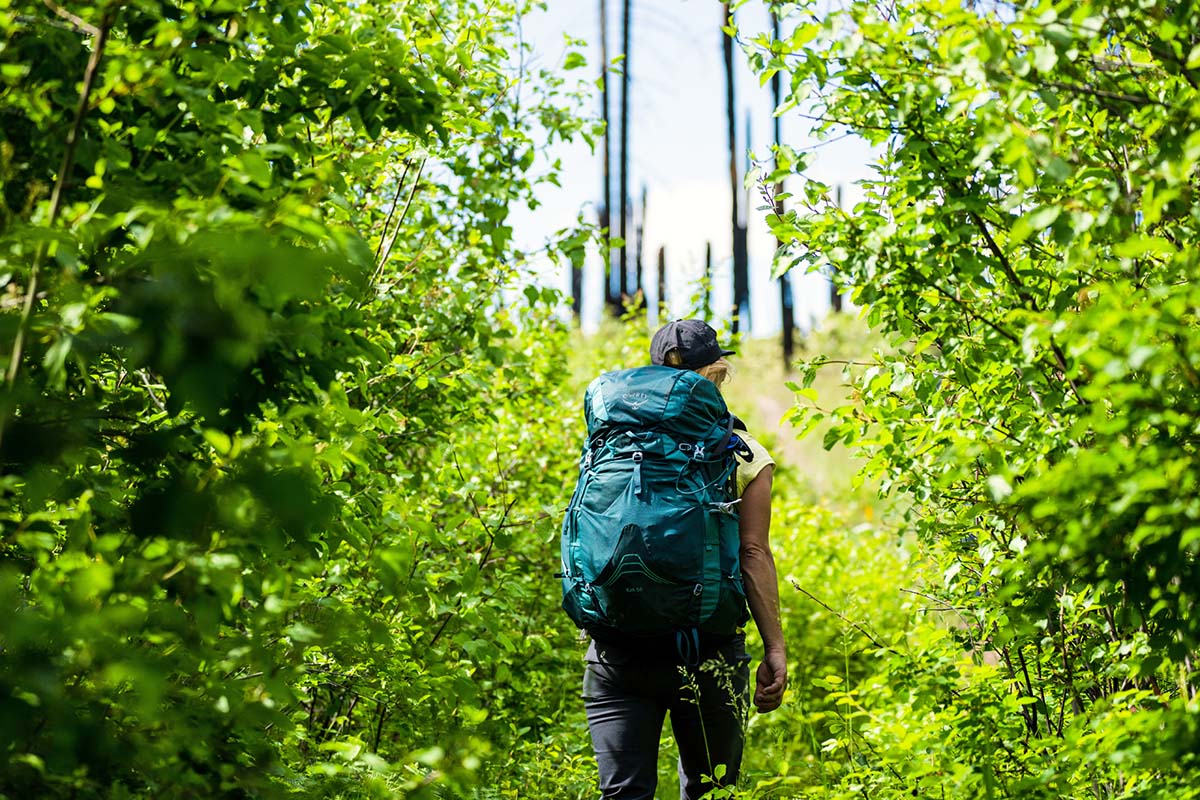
(707, 307)
(835, 297)
(663, 306)
(612, 297)
(787, 313)
(640, 231)
(624, 178)
(741, 270)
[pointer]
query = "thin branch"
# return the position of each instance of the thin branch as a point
(1001, 258)
(387, 223)
(970, 312)
(1033, 710)
(1138, 100)
(947, 605)
(150, 389)
(399, 223)
(68, 161)
(79, 23)
(870, 636)
(383, 712)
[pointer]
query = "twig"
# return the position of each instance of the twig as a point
(150, 389)
(1137, 100)
(68, 161)
(1033, 710)
(487, 551)
(948, 605)
(387, 223)
(383, 712)
(796, 585)
(396, 231)
(80, 24)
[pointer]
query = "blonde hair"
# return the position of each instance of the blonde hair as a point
(718, 371)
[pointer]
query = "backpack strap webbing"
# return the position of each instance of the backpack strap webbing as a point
(728, 435)
(687, 643)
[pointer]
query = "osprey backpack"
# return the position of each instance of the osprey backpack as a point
(650, 539)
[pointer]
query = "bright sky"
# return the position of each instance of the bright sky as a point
(679, 152)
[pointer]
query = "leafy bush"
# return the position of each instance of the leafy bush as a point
(1027, 245)
(274, 498)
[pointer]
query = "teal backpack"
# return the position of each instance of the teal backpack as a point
(650, 539)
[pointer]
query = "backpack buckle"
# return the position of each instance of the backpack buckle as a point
(728, 507)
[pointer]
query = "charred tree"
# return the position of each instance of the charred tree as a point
(835, 297)
(623, 281)
(707, 307)
(741, 267)
(612, 296)
(663, 306)
(787, 310)
(638, 270)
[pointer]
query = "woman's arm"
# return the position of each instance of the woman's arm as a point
(762, 590)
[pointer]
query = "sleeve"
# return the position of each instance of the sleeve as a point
(751, 459)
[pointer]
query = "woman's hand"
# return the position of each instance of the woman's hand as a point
(770, 681)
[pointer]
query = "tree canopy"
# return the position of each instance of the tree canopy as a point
(257, 267)
(1028, 244)
(285, 434)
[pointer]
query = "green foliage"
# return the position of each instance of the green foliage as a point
(1028, 245)
(272, 506)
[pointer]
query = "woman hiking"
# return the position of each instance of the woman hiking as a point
(700, 678)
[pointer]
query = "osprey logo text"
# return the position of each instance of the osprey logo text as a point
(636, 400)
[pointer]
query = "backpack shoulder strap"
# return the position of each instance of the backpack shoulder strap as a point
(728, 433)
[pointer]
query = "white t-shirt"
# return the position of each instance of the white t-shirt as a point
(750, 460)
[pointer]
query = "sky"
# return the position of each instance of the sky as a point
(679, 153)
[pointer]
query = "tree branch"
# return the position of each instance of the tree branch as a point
(870, 636)
(56, 197)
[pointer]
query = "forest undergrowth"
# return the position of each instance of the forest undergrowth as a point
(286, 432)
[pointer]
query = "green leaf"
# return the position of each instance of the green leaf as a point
(1036, 220)
(1140, 246)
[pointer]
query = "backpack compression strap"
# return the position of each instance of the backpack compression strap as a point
(687, 643)
(728, 434)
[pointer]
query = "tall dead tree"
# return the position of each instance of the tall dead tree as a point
(638, 271)
(612, 296)
(624, 179)
(741, 267)
(787, 311)
(576, 290)
(707, 307)
(663, 313)
(835, 297)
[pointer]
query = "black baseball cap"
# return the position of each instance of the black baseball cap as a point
(693, 338)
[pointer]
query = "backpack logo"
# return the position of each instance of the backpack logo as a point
(636, 400)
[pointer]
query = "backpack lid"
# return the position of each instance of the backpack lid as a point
(681, 403)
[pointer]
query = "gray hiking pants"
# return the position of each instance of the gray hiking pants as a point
(628, 693)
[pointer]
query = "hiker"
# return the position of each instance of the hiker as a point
(699, 675)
